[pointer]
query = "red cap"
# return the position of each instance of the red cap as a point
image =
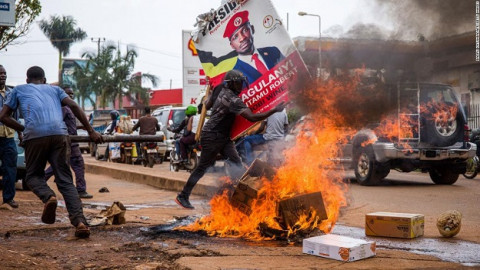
(237, 20)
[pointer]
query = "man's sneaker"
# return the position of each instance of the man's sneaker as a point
(49, 211)
(84, 195)
(183, 202)
(13, 204)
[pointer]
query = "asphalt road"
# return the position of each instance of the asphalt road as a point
(125, 246)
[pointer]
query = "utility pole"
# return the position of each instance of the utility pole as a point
(98, 40)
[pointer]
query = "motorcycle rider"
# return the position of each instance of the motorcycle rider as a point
(114, 116)
(148, 125)
(188, 136)
(216, 132)
(275, 128)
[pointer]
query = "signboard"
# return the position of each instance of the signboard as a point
(251, 38)
(7, 12)
(68, 67)
(194, 81)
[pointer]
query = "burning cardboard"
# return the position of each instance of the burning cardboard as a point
(291, 210)
(339, 247)
(249, 184)
(399, 225)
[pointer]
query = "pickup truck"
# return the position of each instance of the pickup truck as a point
(430, 134)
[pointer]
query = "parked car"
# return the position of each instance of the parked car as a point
(164, 115)
(433, 137)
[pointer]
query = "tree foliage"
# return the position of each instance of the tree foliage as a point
(62, 33)
(25, 12)
(109, 74)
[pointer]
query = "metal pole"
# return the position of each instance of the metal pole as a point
(120, 138)
(302, 13)
(319, 46)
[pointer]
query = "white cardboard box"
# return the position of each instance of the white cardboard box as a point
(339, 247)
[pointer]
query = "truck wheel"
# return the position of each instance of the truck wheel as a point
(443, 128)
(443, 176)
(368, 171)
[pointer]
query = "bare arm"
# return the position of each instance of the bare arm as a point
(261, 128)
(77, 111)
(7, 120)
(255, 117)
(212, 97)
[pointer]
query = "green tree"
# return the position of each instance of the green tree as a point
(83, 86)
(62, 33)
(112, 76)
(25, 12)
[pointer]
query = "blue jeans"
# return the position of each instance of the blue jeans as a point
(248, 143)
(8, 155)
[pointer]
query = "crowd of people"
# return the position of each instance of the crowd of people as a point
(50, 115)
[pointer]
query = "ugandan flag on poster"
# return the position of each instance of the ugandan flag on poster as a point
(215, 68)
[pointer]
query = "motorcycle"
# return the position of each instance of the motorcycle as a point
(149, 153)
(473, 164)
(126, 149)
(472, 168)
(192, 158)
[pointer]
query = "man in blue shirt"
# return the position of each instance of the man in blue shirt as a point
(45, 139)
(76, 159)
(8, 149)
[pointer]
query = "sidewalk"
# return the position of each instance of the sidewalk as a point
(159, 176)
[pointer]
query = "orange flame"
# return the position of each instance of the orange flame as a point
(308, 168)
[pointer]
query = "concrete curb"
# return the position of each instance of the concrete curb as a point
(158, 181)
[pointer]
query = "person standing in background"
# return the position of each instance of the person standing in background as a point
(8, 149)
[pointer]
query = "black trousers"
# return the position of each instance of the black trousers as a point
(55, 150)
(212, 144)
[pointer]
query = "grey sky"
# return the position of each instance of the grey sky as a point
(154, 26)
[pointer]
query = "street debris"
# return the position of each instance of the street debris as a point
(113, 215)
(103, 190)
(292, 213)
(449, 223)
(399, 225)
(6, 206)
(247, 188)
(337, 247)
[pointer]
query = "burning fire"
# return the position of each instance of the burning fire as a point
(307, 169)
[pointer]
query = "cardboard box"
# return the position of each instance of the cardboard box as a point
(290, 210)
(247, 188)
(400, 225)
(339, 247)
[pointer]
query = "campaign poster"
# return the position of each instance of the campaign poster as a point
(194, 81)
(249, 36)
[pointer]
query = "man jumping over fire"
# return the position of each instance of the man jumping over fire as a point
(215, 136)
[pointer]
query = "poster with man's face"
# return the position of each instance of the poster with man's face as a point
(251, 38)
